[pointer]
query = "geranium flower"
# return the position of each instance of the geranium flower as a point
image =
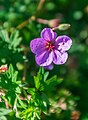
(50, 49)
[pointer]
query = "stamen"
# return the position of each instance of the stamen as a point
(49, 46)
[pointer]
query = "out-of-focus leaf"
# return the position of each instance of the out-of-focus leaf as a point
(50, 6)
(78, 15)
(45, 98)
(15, 39)
(4, 111)
(3, 118)
(4, 36)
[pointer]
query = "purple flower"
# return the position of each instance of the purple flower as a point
(50, 49)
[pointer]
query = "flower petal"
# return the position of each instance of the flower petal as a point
(49, 67)
(59, 58)
(63, 43)
(37, 44)
(44, 59)
(48, 34)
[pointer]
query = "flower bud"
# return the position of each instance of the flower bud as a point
(3, 68)
(64, 26)
(53, 22)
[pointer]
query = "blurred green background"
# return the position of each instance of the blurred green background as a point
(72, 93)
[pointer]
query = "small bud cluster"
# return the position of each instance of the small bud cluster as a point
(3, 68)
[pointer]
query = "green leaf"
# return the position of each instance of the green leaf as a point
(38, 116)
(11, 70)
(52, 82)
(31, 91)
(21, 103)
(12, 74)
(14, 77)
(37, 82)
(46, 75)
(18, 90)
(40, 73)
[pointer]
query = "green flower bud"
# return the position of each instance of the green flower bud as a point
(64, 26)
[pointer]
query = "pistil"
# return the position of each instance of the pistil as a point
(49, 46)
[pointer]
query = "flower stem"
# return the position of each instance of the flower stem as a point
(32, 18)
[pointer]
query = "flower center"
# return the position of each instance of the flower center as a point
(49, 46)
